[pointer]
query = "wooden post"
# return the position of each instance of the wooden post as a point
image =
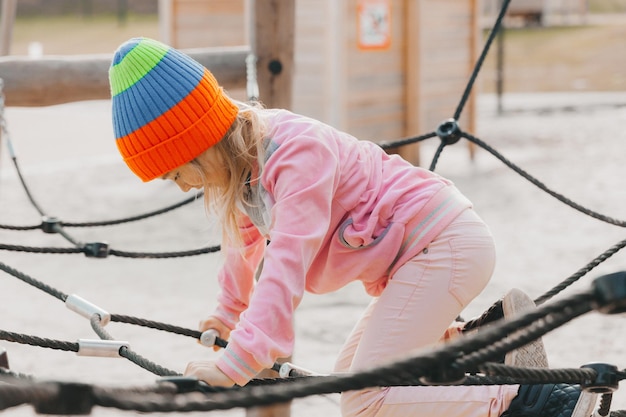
(9, 9)
(414, 124)
(273, 34)
(272, 37)
(474, 39)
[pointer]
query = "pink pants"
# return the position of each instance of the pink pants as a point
(414, 311)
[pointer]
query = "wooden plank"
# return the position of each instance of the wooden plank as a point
(63, 79)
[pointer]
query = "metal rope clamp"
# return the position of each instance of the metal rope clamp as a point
(101, 348)
(86, 309)
(209, 337)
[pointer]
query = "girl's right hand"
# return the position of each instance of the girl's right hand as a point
(215, 324)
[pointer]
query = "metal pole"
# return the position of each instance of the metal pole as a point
(500, 68)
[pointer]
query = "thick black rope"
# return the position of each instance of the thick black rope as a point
(164, 255)
(137, 217)
(494, 31)
(435, 159)
(19, 228)
(38, 341)
(502, 337)
(35, 249)
(156, 325)
(32, 281)
(25, 186)
(605, 404)
(128, 353)
(112, 222)
(542, 186)
(58, 228)
(407, 141)
(494, 312)
(85, 249)
(15, 395)
(581, 272)
(489, 352)
(480, 345)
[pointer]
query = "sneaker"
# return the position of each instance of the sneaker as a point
(532, 355)
(514, 303)
(551, 400)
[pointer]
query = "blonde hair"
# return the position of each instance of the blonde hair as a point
(240, 150)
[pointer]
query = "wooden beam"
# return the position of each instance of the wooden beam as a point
(62, 79)
(474, 27)
(7, 18)
(273, 44)
(413, 62)
(272, 35)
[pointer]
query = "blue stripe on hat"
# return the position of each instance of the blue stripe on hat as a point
(169, 82)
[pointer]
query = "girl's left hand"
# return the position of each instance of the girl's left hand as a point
(209, 373)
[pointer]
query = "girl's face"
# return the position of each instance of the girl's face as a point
(190, 175)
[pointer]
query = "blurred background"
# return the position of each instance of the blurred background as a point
(551, 96)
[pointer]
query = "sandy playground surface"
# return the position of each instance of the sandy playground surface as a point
(573, 143)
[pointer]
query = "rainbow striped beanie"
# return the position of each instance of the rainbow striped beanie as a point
(167, 107)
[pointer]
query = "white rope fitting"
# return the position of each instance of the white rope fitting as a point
(101, 348)
(252, 85)
(289, 369)
(208, 337)
(86, 309)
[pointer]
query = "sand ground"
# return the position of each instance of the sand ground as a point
(574, 143)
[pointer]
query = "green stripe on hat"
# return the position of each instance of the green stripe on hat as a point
(136, 64)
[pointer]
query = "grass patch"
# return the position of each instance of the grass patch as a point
(70, 35)
(582, 58)
(607, 6)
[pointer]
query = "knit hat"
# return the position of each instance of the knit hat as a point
(167, 107)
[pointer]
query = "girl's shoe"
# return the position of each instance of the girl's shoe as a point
(532, 355)
(551, 400)
(514, 303)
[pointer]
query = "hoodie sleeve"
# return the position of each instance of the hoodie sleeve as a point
(302, 177)
(236, 277)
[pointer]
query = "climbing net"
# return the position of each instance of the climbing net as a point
(454, 363)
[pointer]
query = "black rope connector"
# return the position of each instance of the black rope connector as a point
(185, 384)
(606, 381)
(446, 374)
(71, 399)
(50, 224)
(4, 359)
(275, 67)
(449, 132)
(610, 292)
(96, 250)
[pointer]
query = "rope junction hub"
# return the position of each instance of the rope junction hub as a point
(449, 132)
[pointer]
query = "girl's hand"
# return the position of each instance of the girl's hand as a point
(209, 373)
(217, 325)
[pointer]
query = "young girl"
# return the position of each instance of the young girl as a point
(321, 209)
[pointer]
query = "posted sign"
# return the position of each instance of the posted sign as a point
(374, 24)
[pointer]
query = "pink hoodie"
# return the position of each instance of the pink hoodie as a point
(335, 209)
